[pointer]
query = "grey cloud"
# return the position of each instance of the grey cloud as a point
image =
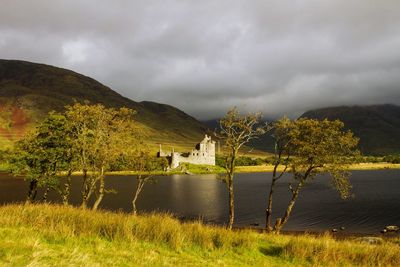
(278, 57)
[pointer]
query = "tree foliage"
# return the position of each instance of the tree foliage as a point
(235, 131)
(306, 148)
(87, 138)
(101, 136)
(43, 154)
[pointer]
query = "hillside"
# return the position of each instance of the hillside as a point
(28, 91)
(378, 126)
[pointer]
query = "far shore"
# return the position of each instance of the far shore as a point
(340, 235)
(261, 168)
(353, 167)
(204, 169)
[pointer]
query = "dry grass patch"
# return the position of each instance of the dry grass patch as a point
(327, 251)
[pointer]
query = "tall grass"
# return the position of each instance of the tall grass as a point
(54, 229)
(327, 251)
(65, 222)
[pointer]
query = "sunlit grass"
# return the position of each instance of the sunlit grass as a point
(207, 169)
(357, 166)
(38, 235)
(327, 251)
(65, 222)
(374, 166)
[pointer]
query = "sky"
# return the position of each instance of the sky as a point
(277, 57)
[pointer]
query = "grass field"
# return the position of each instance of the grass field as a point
(47, 235)
(206, 169)
(357, 166)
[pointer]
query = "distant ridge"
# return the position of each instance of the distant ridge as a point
(28, 91)
(377, 126)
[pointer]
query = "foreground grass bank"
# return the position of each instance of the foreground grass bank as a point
(40, 235)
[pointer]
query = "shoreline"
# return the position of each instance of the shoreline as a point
(204, 169)
(353, 167)
(339, 235)
(263, 168)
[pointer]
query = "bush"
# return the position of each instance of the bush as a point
(220, 161)
(241, 161)
(247, 161)
(157, 164)
(392, 158)
(369, 159)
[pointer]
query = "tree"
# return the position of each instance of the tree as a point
(101, 136)
(25, 160)
(145, 165)
(306, 148)
(42, 155)
(282, 156)
(236, 130)
(137, 157)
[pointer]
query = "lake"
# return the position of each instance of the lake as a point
(376, 201)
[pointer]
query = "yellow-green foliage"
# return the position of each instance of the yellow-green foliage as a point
(201, 169)
(49, 235)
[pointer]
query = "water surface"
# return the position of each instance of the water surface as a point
(376, 201)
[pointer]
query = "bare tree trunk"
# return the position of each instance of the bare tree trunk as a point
(102, 189)
(231, 204)
(32, 192)
(84, 203)
(45, 194)
(229, 183)
(269, 206)
(139, 188)
(281, 222)
(85, 189)
(270, 197)
(67, 189)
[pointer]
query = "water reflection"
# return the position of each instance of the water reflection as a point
(319, 207)
(197, 198)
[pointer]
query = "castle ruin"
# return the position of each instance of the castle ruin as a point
(203, 153)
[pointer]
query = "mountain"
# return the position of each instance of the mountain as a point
(28, 91)
(212, 124)
(377, 126)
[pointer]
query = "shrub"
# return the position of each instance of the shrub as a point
(241, 161)
(392, 158)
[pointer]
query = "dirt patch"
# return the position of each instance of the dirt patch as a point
(15, 122)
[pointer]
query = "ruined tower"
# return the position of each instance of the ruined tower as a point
(203, 153)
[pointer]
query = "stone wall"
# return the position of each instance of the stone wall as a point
(203, 153)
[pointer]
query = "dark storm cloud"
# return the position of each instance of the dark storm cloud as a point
(279, 57)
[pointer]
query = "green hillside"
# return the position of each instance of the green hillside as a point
(28, 91)
(378, 126)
